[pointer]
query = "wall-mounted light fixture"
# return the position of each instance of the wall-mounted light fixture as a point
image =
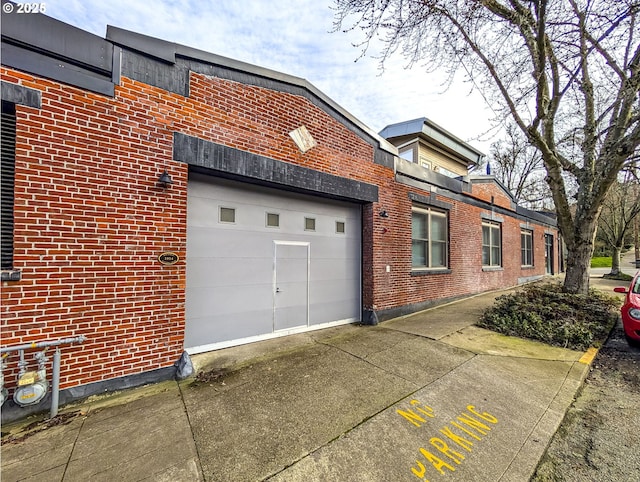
(164, 181)
(384, 214)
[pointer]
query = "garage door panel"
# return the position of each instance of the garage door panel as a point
(328, 312)
(233, 288)
(209, 241)
(229, 300)
(216, 272)
(332, 269)
(336, 248)
(225, 328)
(332, 291)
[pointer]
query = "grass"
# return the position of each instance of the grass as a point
(543, 312)
(601, 262)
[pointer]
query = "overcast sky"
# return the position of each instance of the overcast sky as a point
(293, 37)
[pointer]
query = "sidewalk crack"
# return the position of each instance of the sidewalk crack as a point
(195, 444)
(73, 448)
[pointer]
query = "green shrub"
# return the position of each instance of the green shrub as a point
(545, 313)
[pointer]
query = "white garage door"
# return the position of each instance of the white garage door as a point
(264, 263)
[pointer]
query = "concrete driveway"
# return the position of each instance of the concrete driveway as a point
(423, 397)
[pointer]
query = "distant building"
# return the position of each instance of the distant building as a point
(157, 198)
(425, 143)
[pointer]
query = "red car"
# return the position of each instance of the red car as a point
(631, 310)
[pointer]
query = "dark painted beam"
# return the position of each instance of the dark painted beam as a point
(226, 161)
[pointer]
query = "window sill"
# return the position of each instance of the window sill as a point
(11, 275)
(527, 267)
(492, 268)
(428, 271)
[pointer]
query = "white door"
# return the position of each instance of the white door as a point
(291, 285)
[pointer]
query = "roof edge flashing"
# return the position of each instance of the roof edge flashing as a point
(154, 47)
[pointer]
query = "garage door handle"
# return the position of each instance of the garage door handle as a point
(277, 290)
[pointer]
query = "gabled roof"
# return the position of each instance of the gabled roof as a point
(478, 179)
(50, 48)
(429, 130)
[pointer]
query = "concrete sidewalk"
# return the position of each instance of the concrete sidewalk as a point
(423, 397)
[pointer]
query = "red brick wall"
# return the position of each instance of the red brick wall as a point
(488, 191)
(89, 223)
(393, 248)
(90, 220)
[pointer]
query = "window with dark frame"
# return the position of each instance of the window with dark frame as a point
(429, 238)
(526, 242)
(7, 171)
(491, 244)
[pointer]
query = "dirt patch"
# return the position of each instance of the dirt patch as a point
(38, 426)
(216, 375)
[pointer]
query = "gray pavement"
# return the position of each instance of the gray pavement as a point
(424, 397)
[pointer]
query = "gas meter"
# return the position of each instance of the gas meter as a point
(32, 385)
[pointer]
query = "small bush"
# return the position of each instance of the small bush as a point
(545, 313)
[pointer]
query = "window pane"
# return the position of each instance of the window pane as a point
(408, 155)
(485, 235)
(418, 226)
(309, 224)
(438, 255)
(438, 228)
(495, 256)
(273, 220)
(526, 241)
(227, 215)
(495, 236)
(418, 253)
(485, 255)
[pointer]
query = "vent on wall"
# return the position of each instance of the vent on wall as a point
(7, 170)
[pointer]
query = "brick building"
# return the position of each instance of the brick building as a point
(281, 212)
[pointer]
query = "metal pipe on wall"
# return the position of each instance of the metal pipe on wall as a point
(55, 381)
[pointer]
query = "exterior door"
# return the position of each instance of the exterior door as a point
(548, 253)
(291, 285)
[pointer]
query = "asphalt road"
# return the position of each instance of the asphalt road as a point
(599, 437)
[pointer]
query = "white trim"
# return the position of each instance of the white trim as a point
(268, 336)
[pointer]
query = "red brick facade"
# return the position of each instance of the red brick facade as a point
(90, 219)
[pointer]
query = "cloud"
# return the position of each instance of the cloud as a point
(294, 38)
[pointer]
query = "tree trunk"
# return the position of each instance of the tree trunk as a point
(576, 279)
(615, 261)
(579, 253)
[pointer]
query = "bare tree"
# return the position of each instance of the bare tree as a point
(620, 209)
(567, 72)
(519, 167)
